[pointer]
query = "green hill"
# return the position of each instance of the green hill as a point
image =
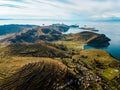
(88, 70)
(44, 75)
(90, 38)
(41, 49)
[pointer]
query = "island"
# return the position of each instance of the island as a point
(74, 26)
(89, 28)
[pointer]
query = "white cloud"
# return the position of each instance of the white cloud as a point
(59, 9)
(108, 15)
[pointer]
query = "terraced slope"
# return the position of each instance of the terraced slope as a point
(44, 75)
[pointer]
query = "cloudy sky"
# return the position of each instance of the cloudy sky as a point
(83, 10)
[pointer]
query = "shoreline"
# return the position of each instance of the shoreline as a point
(100, 49)
(83, 47)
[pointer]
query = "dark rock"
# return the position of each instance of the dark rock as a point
(74, 26)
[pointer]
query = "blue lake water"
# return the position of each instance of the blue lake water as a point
(110, 29)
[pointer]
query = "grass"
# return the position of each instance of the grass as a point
(13, 60)
(42, 49)
(110, 73)
(100, 56)
(9, 65)
(75, 45)
(43, 75)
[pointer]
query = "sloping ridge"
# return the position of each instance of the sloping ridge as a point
(37, 34)
(41, 49)
(44, 75)
(99, 41)
(93, 39)
(46, 33)
(85, 35)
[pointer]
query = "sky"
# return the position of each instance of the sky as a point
(69, 10)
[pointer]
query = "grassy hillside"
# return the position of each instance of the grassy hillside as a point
(72, 45)
(42, 49)
(97, 55)
(90, 38)
(95, 68)
(87, 70)
(10, 64)
(44, 75)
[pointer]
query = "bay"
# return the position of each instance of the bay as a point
(110, 29)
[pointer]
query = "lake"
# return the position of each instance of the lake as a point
(110, 29)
